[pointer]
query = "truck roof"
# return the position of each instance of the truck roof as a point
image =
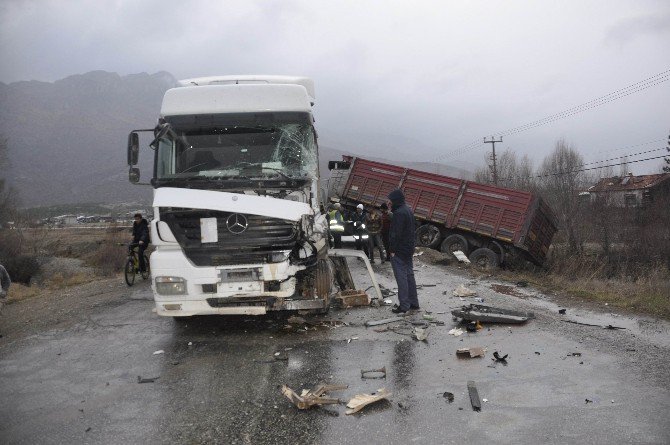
(235, 98)
(253, 79)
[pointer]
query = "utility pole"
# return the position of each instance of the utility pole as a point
(493, 157)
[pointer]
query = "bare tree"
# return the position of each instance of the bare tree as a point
(8, 201)
(512, 173)
(561, 180)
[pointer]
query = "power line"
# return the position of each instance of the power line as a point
(632, 146)
(587, 169)
(619, 157)
(594, 103)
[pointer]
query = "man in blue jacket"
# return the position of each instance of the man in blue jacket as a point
(401, 250)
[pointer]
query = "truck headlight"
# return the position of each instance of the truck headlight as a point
(277, 257)
(170, 285)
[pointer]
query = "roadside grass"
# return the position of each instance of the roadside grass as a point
(649, 294)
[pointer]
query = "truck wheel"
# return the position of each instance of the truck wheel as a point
(428, 236)
(323, 284)
(452, 243)
(484, 258)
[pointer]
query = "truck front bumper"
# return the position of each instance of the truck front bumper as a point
(251, 289)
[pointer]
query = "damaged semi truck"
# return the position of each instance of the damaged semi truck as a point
(237, 225)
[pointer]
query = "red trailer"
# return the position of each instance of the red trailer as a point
(486, 222)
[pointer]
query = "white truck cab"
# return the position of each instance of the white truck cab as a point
(237, 225)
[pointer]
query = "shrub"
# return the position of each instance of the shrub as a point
(22, 268)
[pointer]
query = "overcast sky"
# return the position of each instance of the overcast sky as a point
(426, 76)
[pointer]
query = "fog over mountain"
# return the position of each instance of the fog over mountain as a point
(67, 139)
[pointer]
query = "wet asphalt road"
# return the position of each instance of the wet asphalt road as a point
(218, 380)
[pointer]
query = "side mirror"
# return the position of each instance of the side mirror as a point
(134, 175)
(339, 165)
(159, 132)
(133, 148)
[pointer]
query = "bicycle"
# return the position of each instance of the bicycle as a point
(132, 267)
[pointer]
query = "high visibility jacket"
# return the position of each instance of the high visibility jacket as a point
(336, 221)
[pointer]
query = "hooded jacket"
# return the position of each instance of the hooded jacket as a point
(141, 232)
(401, 234)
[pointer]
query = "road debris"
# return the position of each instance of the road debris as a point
(461, 257)
(574, 354)
(311, 397)
(449, 396)
(387, 302)
(474, 396)
(562, 311)
(352, 298)
(374, 373)
(473, 326)
(609, 326)
(471, 352)
(456, 332)
(352, 338)
(489, 314)
(588, 401)
(294, 319)
(500, 359)
(506, 290)
(360, 401)
(141, 379)
(384, 321)
(462, 291)
(160, 351)
(421, 334)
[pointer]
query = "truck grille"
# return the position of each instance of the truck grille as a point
(262, 236)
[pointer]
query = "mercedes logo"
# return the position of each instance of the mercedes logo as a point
(237, 223)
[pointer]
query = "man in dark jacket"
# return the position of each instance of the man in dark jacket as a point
(401, 249)
(141, 238)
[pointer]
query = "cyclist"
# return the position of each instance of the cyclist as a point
(140, 238)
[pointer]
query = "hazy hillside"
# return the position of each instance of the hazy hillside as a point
(66, 139)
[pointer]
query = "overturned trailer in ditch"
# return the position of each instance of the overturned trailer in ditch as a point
(488, 223)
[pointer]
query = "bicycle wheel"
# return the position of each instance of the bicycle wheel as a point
(147, 271)
(130, 272)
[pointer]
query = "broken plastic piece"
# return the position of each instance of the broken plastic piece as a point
(474, 396)
(562, 311)
(461, 257)
(421, 334)
(471, 352)
(360, 401)
(449, 396)
(456, 332)
(462, 291)
(160, 351)
(498, 358)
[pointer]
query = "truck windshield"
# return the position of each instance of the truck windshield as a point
(238, 148)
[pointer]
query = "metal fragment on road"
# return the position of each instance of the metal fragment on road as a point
(141, 379)
(374, 373)
(474, 396)
(461, 257)
(384, 321)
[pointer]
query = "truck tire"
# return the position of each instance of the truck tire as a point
(453, 243)
(428, 235)
(323, 282)
(484, 258)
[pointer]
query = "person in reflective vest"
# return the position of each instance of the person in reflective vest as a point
(361, 236)
(336, 224)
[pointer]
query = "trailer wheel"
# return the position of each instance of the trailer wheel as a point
(428, 236)
(484, 258)
(452, 243)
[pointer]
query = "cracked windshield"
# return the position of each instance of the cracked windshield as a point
(248, 150)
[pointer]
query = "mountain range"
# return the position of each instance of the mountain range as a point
(66, 140)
